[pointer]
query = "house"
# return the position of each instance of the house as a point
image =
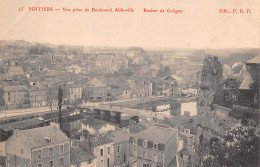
(75, 92)
(96, 90)
(249, 96)
(80, 157)
(175, 83)
(155, 146)
(16, 96)
(38, 96)
(52, 93)
(120, 139)
(140, 87)
(185, 148)
(126, 91)
(107, 64)
(182, 60)
(163, 87)
(101, 147)
(6, 130)
(38, 147)
(14, 70)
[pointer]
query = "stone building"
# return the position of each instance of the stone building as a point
(38, 147)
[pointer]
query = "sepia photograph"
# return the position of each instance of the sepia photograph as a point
(158, 83)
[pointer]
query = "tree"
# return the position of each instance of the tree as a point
(255, 88)
(238, 147)
(231, 92)
(231, 83)
(60, 95)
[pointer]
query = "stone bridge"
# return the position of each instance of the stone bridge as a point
(125, 113)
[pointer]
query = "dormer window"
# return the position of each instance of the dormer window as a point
(145, 143)
(48, 140)
(155, 146)
(135, 141)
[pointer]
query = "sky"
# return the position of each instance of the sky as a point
(199, 26)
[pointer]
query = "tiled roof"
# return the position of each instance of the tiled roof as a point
(136, 128)
(255, 60)
(156, 134)
(21, 124)
(246, 82)
(97, 83)
(37, 137)
(120, 135)
(78, 155)
(101, 140)
(173, 163)
(16, 88)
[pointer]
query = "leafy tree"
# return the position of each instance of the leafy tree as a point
(255, 88)
(238, 147)
(231, 92)
(231, 83)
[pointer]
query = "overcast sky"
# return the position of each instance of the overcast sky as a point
(200, 25)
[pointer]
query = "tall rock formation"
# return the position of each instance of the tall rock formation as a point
(211, 89)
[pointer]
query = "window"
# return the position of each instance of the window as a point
(118, 148)
(61, 161)
(39, 154)
(101, 163)
(145, 143)
(22, 151)
(108, 162)
(101, 152)
(181, 155)
(155, 146)
(48, 140)
(135, 152)
(135, 141)
(61, 149)
(118, 158)
(51, 163)
(50, 152)
(155, 158)
(39, 165)
(144, 155)
(145, 165)
(108, 150)
(124, 158)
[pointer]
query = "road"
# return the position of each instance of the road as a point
(20, 112)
